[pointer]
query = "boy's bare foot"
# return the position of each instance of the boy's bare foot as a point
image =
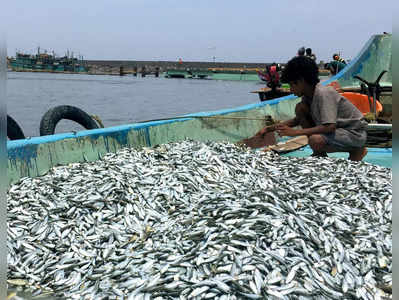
(358, 154)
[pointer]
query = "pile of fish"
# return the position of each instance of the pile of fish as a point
(196, 220)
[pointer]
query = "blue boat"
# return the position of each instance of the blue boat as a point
(36, 156)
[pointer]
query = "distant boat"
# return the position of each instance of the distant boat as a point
(47, 62)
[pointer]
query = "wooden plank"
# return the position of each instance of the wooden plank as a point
(290, 145)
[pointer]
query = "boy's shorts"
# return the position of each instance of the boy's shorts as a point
(346, 139)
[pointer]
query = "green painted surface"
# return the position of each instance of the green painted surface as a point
(226, 76)
(213, 75)
(375, 57)
(377, 156)
(36, 156)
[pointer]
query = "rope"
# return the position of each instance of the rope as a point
(266, 118)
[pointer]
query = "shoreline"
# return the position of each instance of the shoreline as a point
(147, 73)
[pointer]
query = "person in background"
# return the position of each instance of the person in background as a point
(272, 76)
(335, 66)
(301, 51)
(310, 54)
(330, 121)
(336, 57)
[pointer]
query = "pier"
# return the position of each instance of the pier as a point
(174, 68)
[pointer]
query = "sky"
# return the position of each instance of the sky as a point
(258, 31)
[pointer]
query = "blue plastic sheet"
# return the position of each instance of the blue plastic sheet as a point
(376, 156)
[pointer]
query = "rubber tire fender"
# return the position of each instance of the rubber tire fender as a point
(51, 118)
(14, 131)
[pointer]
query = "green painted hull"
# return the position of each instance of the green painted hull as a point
(34, 157)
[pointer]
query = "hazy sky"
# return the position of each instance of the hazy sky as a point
(232, 31)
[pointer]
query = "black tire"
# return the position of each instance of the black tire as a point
(54, 115)
(14, 131)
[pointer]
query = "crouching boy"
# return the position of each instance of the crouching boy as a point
(331, 122)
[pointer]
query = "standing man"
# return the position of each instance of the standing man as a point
(310, 54)
(301, 51)
(335, 66)
(336, 57)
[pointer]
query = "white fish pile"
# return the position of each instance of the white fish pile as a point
(198, 220)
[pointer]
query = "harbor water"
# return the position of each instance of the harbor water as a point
(118, 100)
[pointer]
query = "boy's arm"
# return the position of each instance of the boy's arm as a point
(325, 128)
(290, 123)
(284, 130)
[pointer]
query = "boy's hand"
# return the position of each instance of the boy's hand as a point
(262, 132)
(265, 130)
(284, 130)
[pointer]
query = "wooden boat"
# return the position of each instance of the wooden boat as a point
(34, 157)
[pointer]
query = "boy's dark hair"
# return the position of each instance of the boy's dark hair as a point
(308, 51)
(301, 67)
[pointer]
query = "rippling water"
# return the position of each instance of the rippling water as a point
(118, 100)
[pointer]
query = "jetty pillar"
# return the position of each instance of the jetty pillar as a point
(121, 73)
(143, 71)
(135, 71)
(157, 72)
